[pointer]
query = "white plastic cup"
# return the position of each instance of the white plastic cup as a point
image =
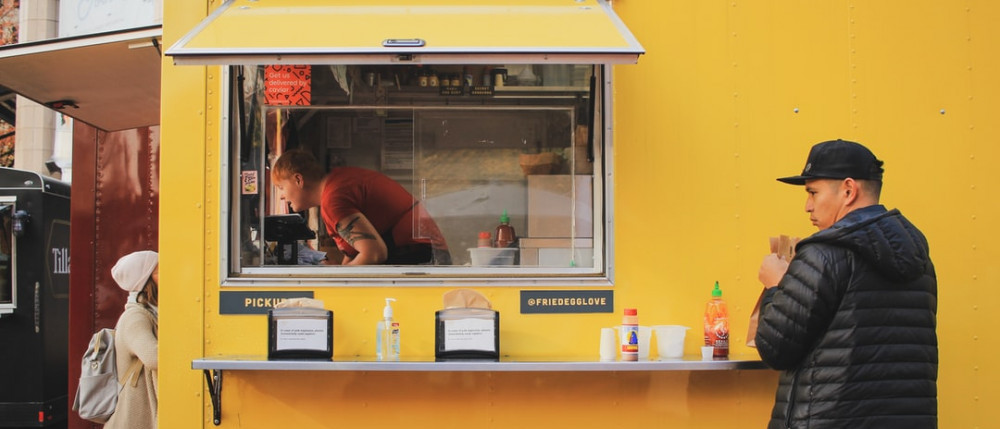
(707, 352)
(645, 335)
(670, 340)
(609, 347)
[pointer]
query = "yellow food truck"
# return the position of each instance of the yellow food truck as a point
(631, 145)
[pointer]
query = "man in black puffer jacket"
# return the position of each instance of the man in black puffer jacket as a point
(850, 320)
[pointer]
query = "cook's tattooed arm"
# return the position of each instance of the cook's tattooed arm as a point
(348, 233)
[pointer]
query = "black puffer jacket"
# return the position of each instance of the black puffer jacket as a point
(852, 326)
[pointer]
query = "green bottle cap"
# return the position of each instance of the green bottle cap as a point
(716, 292)
(504, 218)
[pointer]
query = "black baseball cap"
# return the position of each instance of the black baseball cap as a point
(838, 159)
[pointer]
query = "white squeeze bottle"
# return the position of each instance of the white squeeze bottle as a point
(387, 334)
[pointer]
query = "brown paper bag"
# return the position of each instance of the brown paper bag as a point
(466, 298)
(784, 247)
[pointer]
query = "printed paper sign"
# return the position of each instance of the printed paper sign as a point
(249, 181)
(469, 334)
(288, 85)
(301, 334)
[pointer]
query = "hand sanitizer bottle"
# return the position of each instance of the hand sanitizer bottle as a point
(387, 335)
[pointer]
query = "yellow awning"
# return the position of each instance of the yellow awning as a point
(109, 80)
(409, 32)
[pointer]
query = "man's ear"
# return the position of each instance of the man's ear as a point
(850, 189)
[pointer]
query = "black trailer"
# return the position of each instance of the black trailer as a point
(34, 299)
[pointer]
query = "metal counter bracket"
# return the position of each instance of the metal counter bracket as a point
(214, 379)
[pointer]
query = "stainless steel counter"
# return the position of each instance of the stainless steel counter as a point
(688, 363)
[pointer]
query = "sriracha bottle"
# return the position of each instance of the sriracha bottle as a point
(717, 325)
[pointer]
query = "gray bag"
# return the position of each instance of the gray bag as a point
(97, 391)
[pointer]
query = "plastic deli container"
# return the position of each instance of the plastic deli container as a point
(484, 256)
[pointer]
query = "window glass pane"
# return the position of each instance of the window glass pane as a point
(418, 166)
(6, 253)
(474, 165)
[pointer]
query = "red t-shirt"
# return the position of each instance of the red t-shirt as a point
(388, 206)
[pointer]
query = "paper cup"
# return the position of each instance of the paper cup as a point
(609, 347)
(645, 335)
(706, 352)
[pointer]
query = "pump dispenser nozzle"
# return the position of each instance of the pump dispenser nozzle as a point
(387, 311)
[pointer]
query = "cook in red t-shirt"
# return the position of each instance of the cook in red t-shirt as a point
(373, 219)
(410, 234)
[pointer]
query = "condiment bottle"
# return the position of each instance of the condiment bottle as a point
(630, 335)
(499, 77)
(505, 235)
(484, 239)
(717, 325)
(487, 76)
(467, 77)
(387, 335)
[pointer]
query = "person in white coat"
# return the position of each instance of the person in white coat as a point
(136, 345)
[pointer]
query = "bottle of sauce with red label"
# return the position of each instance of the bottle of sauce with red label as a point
(717, 325)
(629, 335)
(504, 235)
(484, 239)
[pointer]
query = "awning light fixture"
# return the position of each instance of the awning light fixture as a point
(151, 43)
(62, 104)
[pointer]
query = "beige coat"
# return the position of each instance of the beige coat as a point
(136, 338)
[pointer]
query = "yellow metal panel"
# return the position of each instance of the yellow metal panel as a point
(319, 29)
(185, 274)
(290, 399)
(733, 95)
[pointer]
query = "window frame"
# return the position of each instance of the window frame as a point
(10, 307)
(233, 275)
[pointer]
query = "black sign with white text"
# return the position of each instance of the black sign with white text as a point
(255, 302)
(567, 301)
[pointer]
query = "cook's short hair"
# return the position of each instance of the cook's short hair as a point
(297, 161)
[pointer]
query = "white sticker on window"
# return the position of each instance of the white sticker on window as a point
(248, 180)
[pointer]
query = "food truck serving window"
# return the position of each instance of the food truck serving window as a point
(414, 144)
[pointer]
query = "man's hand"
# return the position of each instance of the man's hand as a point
(772, 269)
